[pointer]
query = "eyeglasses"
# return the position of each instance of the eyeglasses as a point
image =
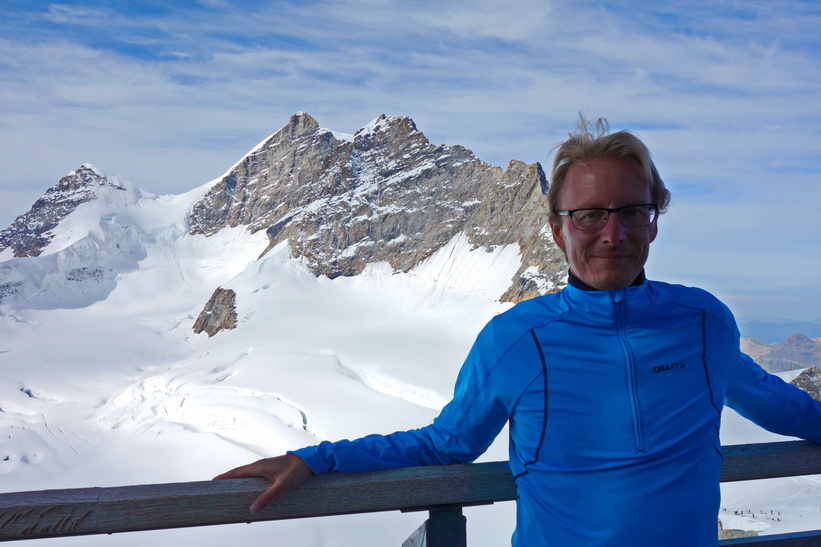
(632, 216)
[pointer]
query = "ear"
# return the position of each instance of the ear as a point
(556, 230)
(654, 230)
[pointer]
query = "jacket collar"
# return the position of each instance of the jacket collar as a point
(598, 307)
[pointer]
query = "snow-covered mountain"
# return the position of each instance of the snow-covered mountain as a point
(347, 277)
(386, 195)
(31, 232)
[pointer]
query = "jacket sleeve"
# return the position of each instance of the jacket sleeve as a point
(772, 403)
(762, 398)
(482, 403)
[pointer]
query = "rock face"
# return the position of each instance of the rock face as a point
(220, 313)
(796, 351)
(733, 534)
(387, 195)
(810, 381)
(31, 231)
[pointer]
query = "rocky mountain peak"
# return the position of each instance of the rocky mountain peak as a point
(798, 340)
(387, 128)
(30, 233)
(299, 124)
(389, 195)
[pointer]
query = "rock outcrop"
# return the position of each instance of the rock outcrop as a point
(387, 195)
(220, 313)
(810, 381)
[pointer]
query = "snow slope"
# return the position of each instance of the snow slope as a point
(103, 383)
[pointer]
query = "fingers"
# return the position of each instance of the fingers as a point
(266, 468)
(237, 473)
(285, 472)
(226, 475)
(265, 498)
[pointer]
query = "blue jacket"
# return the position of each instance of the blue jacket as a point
(614, 403)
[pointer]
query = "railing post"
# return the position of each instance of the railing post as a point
(445, 527)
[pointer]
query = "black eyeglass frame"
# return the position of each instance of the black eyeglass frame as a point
(569, 213)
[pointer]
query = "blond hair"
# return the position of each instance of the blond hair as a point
(594, 140)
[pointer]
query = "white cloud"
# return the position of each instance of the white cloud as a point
(64, 13)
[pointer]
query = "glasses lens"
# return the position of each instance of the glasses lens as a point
(638, 215)
(589, 219)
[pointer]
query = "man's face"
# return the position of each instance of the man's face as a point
(610, 258)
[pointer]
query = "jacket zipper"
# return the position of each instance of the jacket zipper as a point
(630, 365)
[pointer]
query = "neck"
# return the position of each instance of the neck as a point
(581, 285)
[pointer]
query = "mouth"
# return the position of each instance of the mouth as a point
(612, 257)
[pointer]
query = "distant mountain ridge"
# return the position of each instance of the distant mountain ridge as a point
(386, 196)
(776, 331)
(796, 351)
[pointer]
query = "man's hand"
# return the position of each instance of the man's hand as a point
(285, 472)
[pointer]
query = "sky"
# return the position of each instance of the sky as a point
(727, 95)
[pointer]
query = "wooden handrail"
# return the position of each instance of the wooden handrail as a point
(83, 511)
(745, 462)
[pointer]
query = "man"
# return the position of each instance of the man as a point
(613, 387)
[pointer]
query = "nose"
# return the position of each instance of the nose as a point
(614, 230)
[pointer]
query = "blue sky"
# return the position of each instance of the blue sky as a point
(171, 94)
